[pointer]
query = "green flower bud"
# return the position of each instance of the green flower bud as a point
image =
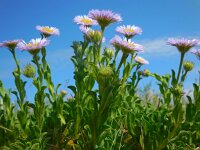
(95, 36)
(106, 71)
(63, 92)
(188, 65)
(178, 90)
(29, 71)
(144, 73)
(108, 52)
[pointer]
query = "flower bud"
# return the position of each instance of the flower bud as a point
(63, 92)
(188, 66)
(95, 36)
(106, 71)
(29, 71)
(178, 90)
(108, 52)
(144, 73)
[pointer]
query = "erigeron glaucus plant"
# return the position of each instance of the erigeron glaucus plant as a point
(104, 109)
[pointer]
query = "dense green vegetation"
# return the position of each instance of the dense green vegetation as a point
(106, 109)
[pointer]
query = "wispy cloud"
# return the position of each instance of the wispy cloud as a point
(158, 47)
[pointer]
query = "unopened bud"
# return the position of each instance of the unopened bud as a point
(178, 90)
(95, 36)
(29, 71)
(144, 73)
(63, 92)
(188, 65)
(106, 71)
(109, 52)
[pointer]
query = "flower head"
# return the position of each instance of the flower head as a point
(183, 45)
(48, 31)
(125, 46)
(129, 31)
(34, 45)
(10, 44)
(196, 52)
(141, 60)
(104, 17)
(85, 21)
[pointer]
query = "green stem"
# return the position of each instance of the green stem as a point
(78, 118)
(180, 66)
(6, 129)
(39, 69)
(199, 78)
(16, 61)
(18, 80)
(124, 56)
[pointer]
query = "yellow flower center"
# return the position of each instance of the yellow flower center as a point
(86, 21)
(48, 30)
(131, 44)
(32, 44)
(128, 30)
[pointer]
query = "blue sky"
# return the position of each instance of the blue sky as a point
(159, 20)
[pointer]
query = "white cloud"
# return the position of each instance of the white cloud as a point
(158, 47)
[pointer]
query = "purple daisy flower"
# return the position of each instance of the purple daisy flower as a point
(183, 45)
(34, 45)
(85, 21)
(10, 44)
(141, 60)
(126, 46)
(116, 42)
(104, 17)
(48, 31)
(196, 52)
(129, 31)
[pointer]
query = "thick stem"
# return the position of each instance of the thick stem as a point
(180, 66)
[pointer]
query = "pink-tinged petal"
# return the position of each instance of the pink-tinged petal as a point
(183, 45)
(129, 31)
(48, 31)
(85, 21)
(104, 17)
(196, 52)
(141, 60)
(126, 46)
(10, 44)
(34, 45)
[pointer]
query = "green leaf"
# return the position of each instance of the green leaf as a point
(73, 88)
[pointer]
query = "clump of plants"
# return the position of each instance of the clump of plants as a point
(104, 110)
